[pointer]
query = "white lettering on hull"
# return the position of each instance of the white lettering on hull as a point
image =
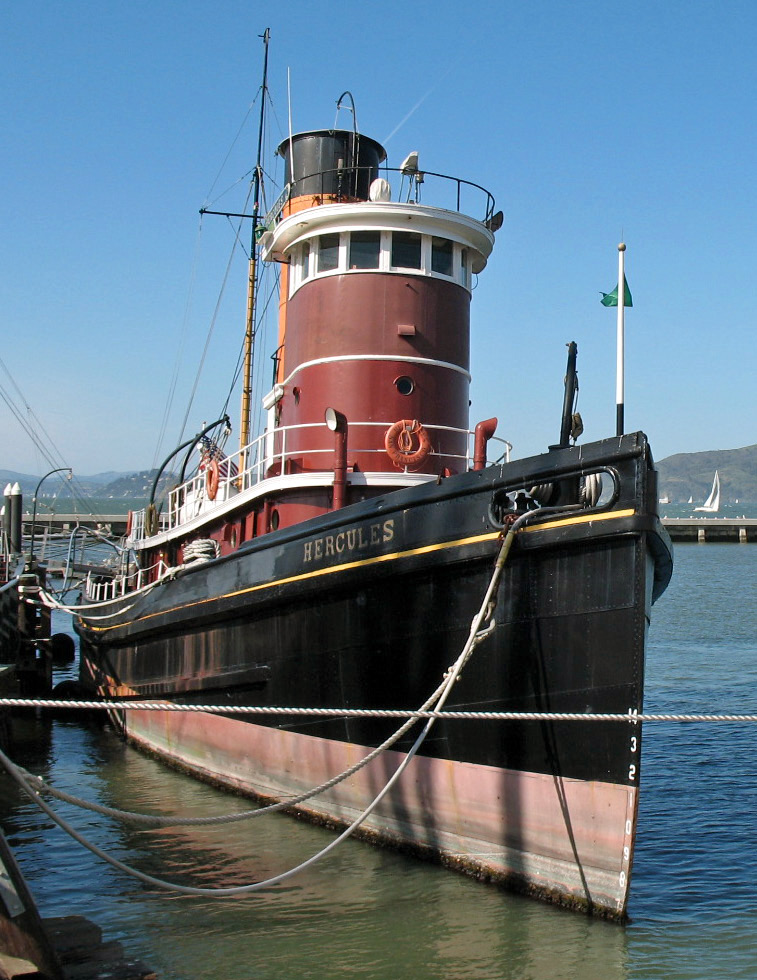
(349, 541)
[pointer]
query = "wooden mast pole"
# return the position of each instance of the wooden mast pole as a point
(249, 337)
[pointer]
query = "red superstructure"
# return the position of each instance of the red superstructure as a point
(374, 325)
(371, 388)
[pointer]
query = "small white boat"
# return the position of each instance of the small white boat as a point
(712, 504)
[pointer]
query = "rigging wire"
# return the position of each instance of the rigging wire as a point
(171, 394)
(30, 422)
(257, 172)
(229, 151)
(211, 329)
(262, 321)
(43, 442)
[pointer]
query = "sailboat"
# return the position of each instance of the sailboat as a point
(712, 504)
(367, 541)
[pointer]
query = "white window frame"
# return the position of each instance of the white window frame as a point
(461, 267)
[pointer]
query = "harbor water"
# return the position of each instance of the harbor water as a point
(365, 912)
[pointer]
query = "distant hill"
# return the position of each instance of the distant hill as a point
(130, 486)
(139, 485)
(690, 475)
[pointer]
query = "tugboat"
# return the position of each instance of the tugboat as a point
(338, 561)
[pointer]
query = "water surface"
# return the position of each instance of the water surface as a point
(364, 912)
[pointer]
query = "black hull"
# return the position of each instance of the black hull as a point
(367, 608)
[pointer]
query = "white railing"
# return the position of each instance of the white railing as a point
(250, 466)
(113, 588)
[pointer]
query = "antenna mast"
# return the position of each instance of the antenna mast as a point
(249, 337)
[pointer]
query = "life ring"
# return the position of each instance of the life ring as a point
(211, 479)
(399, 443)
(151, 520)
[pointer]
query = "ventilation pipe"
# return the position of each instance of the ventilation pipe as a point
(337, 423)
(484, 431)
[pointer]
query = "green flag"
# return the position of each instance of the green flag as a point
(611, 299)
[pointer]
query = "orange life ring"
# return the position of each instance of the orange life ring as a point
(151, 520)
(211, 479)
(399, 443)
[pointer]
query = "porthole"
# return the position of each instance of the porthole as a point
(274, 520)
(404, 385)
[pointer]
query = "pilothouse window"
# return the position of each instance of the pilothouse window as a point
(464, 273)
(441, 256)
(379, 251)
(365, 249)
(406, 250)
(328, 253)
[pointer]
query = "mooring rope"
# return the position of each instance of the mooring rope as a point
(478, 632)
(430, 712)
(45, 598)
(37, 784)
(419, 715)
(10, 584)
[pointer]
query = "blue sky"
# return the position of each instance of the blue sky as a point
(586, 120)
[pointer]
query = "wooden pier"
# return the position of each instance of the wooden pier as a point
(112, 523)
(64, 948)
(702, 529)
(713, 530)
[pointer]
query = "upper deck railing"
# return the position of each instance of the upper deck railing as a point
(269, 457)
(450, 193)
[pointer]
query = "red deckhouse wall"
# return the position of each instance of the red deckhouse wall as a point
(377, 328)
(361, 332)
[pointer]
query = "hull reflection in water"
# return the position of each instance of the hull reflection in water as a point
(383, 915)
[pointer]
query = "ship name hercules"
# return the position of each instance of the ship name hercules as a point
(350, 540)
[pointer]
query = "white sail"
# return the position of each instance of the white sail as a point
(712, 504)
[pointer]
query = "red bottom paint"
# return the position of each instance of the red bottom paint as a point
(567, 840)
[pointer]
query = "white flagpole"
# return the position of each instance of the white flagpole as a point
(619, 390)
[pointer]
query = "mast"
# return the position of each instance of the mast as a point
(249, 336)
(620, 345)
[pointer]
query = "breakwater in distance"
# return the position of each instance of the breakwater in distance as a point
(733, 523)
